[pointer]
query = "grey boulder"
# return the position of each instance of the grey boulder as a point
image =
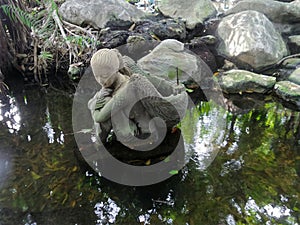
(276, 11)
(250, 40)
(98, 13)
(193, 11)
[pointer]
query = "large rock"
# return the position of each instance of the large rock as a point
(289, 92)
(193, 11)
(238, 81)
(250, 40)
(98, 13)
(295, 76)
(170, 58)
(276, 11)
(169, 55)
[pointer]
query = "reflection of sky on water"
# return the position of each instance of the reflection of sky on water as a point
(50, 132)
(272, 211)
(10, 115)
(208, 137)
(106, 212)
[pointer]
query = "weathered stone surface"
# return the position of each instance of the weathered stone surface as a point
(288, 91)
(169, 55)
(276, 11)
(113, 38)
(295, 39)
(291, 63)
(193, 11)
(199, 47)
(294, 43)
(98, 13)
(295, 76)
(237, 81)
(163, 29)
(250, 40)
(170, 58)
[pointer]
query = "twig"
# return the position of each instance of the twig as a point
(35, 60)
(59, 24)
(78, 27)
(287, 57)
(177, 76)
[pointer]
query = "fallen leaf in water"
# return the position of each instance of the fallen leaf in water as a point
(148, 162)
(173, 172)
(35, 176)
(73, 203)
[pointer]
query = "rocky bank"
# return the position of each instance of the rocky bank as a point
(252, 47)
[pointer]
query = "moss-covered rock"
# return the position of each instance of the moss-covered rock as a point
(295, 76)
(238, 81)
(288, 91)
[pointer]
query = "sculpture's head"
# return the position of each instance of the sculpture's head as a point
(106, 64)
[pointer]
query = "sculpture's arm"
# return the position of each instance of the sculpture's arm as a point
(119, 101)
(101, 115)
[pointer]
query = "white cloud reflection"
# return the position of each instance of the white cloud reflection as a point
(106, 212)
(10, 115)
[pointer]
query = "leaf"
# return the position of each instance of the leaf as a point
(173, 172)
(73, 203)
(148, 162)
(189, 90)
(167, 159)
(35, 176)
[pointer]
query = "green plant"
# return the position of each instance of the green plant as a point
(52, 38)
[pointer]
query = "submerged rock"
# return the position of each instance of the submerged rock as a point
(295, 76)
(193, 11)
(98, 13)
(276, 11)
(250, 40)
(288, 91)
(237, 81)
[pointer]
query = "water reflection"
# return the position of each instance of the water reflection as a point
(242, 169)
(10, 114)
(204, 131)
(106, 212)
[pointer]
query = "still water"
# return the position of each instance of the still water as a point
(243, 167)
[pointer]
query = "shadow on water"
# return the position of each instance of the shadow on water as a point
(242, 168)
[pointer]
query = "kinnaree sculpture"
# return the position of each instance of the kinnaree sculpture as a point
(132, 103)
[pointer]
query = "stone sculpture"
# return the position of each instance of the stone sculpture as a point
(131, 101)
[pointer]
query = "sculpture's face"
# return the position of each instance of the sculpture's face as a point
(106, 76)
(105, 65)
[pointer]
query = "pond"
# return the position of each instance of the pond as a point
(245, 171)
